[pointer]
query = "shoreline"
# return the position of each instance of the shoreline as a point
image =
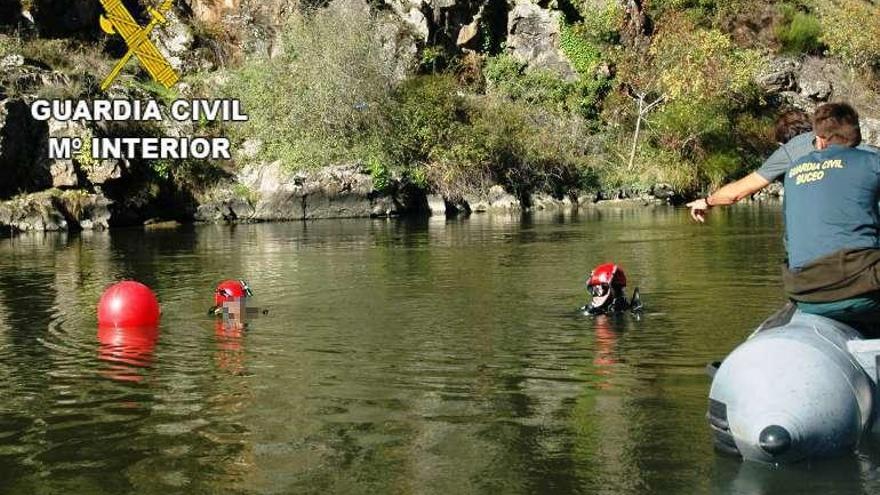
(559, 209)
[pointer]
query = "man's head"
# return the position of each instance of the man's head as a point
(790, 124)
(836, 123)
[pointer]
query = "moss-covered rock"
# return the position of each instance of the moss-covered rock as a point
(55, 210)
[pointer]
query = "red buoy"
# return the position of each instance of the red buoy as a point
(128, 304)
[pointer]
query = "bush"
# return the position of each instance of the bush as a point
(684, 129)
(9, 45)
(852, 31)
(696, 135)
(652, 166)
(425, 114)
(323, 101)
(518, 145)
(509, 78)
(580, 43)
(699, 65)
(699, 11)
(603, 25)
(800, 32)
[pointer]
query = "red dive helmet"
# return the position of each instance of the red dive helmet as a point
(231, 290)
(607, 274)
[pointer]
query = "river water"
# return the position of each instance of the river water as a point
(420, 357)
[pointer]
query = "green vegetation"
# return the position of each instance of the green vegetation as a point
(323, 101)
(852, 31)
(338, 102)
(674, 103)
(800, 31)
(9, 45)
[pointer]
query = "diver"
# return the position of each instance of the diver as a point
(229, 298)
(230, 302)
(607, 289)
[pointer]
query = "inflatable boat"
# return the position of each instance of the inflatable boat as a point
(807, 389)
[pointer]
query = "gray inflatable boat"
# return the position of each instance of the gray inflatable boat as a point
(803, 390)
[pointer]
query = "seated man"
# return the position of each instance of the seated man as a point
(794, 129)
(832, 224)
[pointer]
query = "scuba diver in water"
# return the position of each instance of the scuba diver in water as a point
(230, 302)
(607, 285)
(229, 298)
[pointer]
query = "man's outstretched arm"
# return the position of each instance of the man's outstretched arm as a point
(728, 195)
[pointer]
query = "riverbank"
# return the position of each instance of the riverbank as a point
(267, 194)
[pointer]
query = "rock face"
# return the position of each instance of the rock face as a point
(542, 201)
(211, 11)
(67, 18)
(175, 40)
(85, 211)
(10, 12)
(341, 192)
(23, 150)
(54, 210)
(80, 171)
(495, 199)
(398, 44)
(870, 131)
(37, 212)
(267, 192)
(410, 12)
(808, 83)
(436, 205)
(533, 37)
(227, 208)
(63, 171)
(16, 73)
(816, 79)
(499, 199)
(779, 75)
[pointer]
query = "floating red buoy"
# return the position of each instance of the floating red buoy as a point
(128, 304)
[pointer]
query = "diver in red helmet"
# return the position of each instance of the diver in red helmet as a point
(229, 298)
(607, 285)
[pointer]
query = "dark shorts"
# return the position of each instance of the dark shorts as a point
(861, 313)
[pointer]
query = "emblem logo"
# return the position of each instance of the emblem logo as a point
(118, 20)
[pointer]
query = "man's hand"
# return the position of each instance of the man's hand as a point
(698, 209)
(728, 195)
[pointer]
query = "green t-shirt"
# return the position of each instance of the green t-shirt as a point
(831, 203)
(798, 147)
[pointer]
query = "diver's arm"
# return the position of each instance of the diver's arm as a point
(728, 195)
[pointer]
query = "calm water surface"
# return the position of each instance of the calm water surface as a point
(397, 357)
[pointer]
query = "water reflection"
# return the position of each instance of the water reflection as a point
(127, 351)
(606, 329)
(230, 345)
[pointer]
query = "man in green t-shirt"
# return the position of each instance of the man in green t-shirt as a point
(832, 223)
